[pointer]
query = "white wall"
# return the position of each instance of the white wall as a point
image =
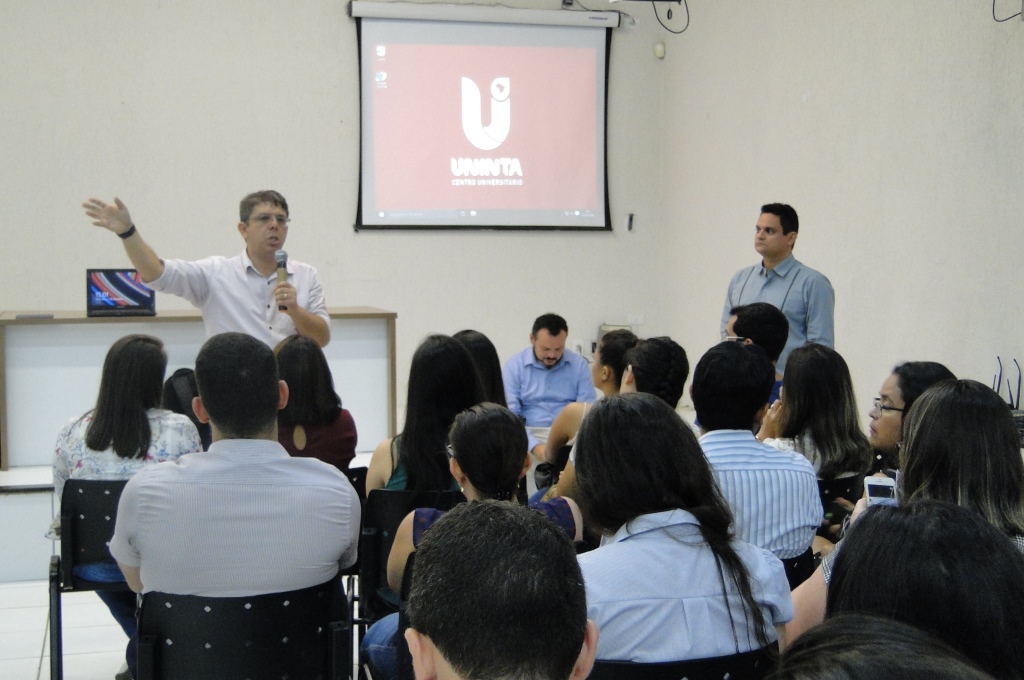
(896, 129)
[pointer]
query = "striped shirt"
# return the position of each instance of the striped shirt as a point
(773, 494)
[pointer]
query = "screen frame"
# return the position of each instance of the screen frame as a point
(361, 9)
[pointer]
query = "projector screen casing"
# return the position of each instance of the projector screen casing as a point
(473, 125)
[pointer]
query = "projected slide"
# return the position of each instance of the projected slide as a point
(480, 125)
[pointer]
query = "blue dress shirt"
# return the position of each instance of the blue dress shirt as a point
(804, 295)
(539, 393)
(655, 593)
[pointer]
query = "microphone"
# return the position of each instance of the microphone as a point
(281, 258)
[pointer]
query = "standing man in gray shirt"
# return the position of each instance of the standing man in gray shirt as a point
(804, 295)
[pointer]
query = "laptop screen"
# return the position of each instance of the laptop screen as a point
(118, 292)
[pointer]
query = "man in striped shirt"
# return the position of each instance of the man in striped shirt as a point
(773, 494)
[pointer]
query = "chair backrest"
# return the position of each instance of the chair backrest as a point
(297, 634)
(799, 568)
(850, 488)
(88, 511)
(357, 476)
(384, 511)
(752, 665)
(403, 657)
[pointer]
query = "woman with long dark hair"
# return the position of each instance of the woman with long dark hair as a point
(488, 365)
(817, 415)
(942, 568)
(669, 582)
(126, 431)
(958, 444)
(313, 424)
(443, 382)
(487, 456)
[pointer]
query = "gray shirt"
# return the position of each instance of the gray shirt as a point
(243, 518)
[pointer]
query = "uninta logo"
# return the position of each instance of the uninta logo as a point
(492, 136)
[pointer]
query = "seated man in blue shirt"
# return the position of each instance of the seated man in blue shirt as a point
(804, 295)
(545, 377)
(773, 494)
(761, 324)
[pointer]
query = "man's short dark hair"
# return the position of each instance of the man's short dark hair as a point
(552, 323)
(731, 383)
(787, 216)
(764, 324)
(252, 200)
(237, 377)
(497, 589)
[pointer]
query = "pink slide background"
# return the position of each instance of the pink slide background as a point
(418, 127)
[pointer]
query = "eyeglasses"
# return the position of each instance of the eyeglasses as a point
(450, 451)
(731, 338)
(880, 408)
(267, 218)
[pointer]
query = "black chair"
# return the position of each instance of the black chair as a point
(384, 511)
(297, 634)
(357, 476)
(404, 658)
(88, 510)
(800, 568)
(850, 488)
(752, 665)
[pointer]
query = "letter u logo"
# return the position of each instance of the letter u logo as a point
(490, 137)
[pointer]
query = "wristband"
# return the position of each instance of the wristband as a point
(126, 234)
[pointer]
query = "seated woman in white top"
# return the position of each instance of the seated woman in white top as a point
(669, 582)
(125, 432)
(817, 414)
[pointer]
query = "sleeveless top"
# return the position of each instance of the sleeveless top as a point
(557, 510)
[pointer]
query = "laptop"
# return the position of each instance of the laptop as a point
(118, 292)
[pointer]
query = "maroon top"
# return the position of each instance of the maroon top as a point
(334, 443)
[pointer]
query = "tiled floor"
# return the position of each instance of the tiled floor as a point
(93, 643)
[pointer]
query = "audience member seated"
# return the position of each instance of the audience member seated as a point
(544, 378)
(898, 393)
(656, 366)
(669, 582)
(443, 382)
(497, 593)
(313, 424)
(773, 493)
(817, 417)
(940, 568)
(764, 325)
(858, 647)
(488, 365)
(959, 444)
(243, 518)
(606, 375)
(124, 433)
(487, 456)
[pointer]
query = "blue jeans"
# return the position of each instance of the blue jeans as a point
(121, 603)
(379, 647)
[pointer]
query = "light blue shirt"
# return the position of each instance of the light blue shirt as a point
(804, 295)
(773, 494)
(655, 593)
(539, 393)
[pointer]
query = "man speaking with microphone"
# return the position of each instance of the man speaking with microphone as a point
(259, 292)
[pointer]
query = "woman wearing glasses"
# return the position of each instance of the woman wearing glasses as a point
(959, 444)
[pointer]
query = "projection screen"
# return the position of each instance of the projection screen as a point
(481, 125)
